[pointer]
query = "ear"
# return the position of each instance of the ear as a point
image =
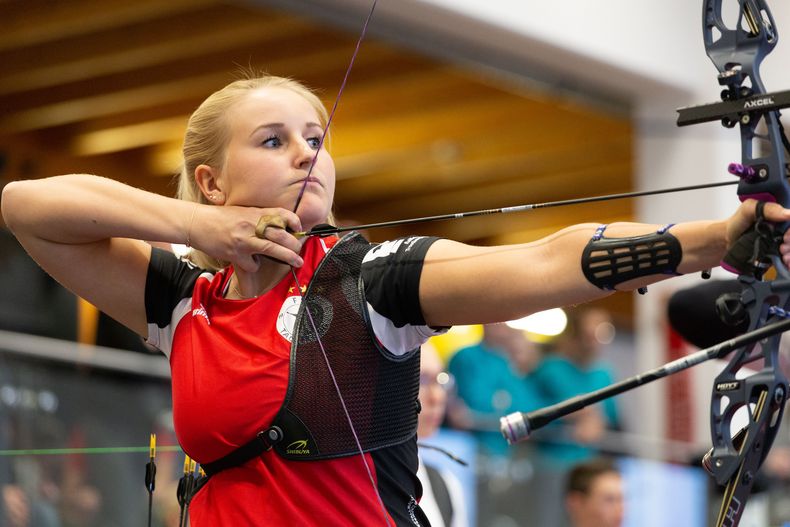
(573, 502)
(208, 181)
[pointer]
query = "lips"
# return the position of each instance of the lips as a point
(310, 179)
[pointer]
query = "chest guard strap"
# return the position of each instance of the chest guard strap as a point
(380, 390)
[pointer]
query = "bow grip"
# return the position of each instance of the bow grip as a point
(752, 252)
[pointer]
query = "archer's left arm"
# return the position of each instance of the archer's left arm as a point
(462, 284)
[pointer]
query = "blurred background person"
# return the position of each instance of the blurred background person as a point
(570, 367)
(442, 497)
(14, 507)
(575, 367)
(492, 379)
(594, 495)
(29, 493)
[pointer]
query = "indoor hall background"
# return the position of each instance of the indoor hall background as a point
(106, 87)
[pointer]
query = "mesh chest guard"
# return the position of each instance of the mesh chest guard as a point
(379, 389)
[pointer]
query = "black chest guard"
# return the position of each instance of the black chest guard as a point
(380, 390)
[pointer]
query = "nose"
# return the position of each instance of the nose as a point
(304, 154)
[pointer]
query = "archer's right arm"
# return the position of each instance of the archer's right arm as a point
(87, 232)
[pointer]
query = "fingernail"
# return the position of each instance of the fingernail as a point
(299, 262)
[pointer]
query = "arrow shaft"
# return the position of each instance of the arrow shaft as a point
(517, 208)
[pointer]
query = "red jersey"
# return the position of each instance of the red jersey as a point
(230, 366)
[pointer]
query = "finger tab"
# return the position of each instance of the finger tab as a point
(268, 221)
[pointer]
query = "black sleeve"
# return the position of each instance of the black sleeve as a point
(391, 274)
(169, 280)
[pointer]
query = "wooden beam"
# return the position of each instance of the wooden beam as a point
(27, 159)
(165, 159)
(113, 137)
(128, 100)
(131, 136)
(407, 177)
(32, 22)
(409, 91)
(380, 69)
(477, 117)
(587, 181)
(500, 229)
(112, 55)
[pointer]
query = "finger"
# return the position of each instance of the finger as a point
(776, 213)
(285, 238)
(293, 221)
(278, 252)
(249, 264)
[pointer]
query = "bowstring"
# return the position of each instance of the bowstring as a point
(299, 286)
(334, 106)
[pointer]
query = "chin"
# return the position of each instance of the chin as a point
(311, 215)
(312, 218)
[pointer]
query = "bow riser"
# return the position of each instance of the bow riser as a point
(737, 54)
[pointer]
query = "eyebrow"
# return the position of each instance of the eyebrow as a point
(310, 124)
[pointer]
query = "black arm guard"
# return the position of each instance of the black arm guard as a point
(607, 262)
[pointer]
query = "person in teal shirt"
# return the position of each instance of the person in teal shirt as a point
(492, 380)
(573, 369)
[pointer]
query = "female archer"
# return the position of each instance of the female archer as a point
(295, 360)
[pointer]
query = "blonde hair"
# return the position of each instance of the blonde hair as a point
(208, 134)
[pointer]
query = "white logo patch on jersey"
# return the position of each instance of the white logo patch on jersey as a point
(323, 245)
(390, 247)
(201, 311)
(287, 317)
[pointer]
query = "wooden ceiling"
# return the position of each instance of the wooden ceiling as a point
(106, 86)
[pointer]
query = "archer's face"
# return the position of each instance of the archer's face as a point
(274, 136)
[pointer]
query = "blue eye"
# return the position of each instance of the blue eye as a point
(314, 142)
(272, 142)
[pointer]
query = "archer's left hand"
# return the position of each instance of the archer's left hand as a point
(746, 216)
